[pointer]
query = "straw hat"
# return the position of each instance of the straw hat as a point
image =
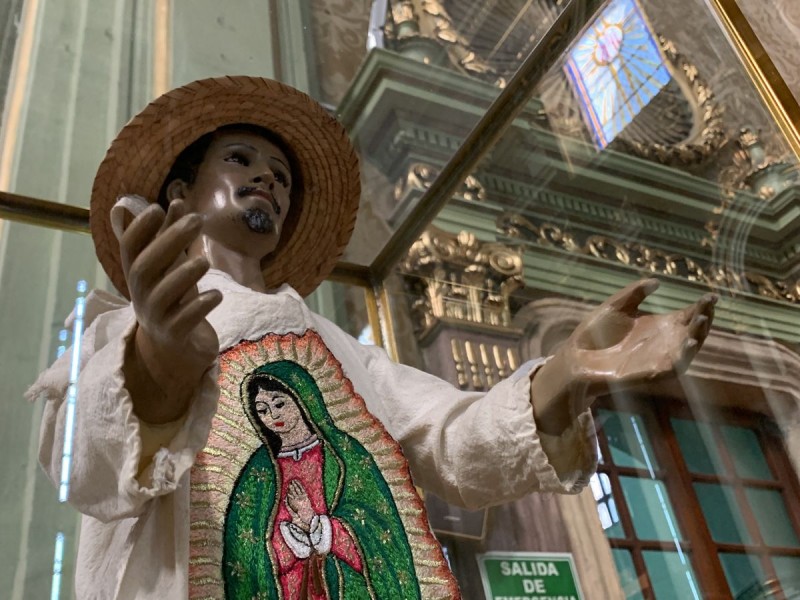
(321, 220)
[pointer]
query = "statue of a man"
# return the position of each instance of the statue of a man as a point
(229, 442)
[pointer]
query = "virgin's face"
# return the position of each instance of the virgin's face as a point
(242, 189)
(278, 412)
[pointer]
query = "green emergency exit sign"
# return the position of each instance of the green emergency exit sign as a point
(529, 576)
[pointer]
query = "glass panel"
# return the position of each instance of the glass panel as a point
(627, 161)
(788, 570)
(773, 520)
(595, 186)
(671, 575)
(651, 509)
(742, 572)
(44, 276)
(606, 505)
(723, 513)
(628, 578)
(744, 448)
(627, 437)
(78, 77)
(10, 12)
(346, 306)
(593, 213)
(85, 71)
(698, 446)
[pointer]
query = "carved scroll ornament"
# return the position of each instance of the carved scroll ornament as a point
(457, 277)
(653, 260)
(420, 176)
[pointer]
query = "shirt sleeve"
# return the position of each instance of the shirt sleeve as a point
(475, 449)
(116, 463)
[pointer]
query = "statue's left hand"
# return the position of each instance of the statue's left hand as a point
(614, 347)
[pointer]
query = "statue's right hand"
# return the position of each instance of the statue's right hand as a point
(174, 342)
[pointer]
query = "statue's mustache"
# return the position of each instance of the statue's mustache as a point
(246, 190)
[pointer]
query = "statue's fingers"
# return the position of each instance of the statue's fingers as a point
(176, 209)
(688, 350)
(629, 298)
(166, 248)
(707, 304)
(139, 233)
(178, 285)
(703, 307)
(698, 328)
(191, 314)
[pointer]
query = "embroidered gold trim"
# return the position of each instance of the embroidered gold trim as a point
(233, 440)
(205, 560)
(214, 451)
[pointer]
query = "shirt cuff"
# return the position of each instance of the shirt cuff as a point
(565, 462)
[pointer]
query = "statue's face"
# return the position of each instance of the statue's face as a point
(278, 412)
(243, 190)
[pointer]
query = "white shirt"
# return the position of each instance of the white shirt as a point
(130, 480)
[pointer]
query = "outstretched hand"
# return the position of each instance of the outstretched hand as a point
(614, 347)
(174, 343)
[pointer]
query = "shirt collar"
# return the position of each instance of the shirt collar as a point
(220, 280)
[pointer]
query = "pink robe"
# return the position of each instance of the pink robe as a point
(307, 469)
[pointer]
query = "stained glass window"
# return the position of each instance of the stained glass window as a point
(616, 69)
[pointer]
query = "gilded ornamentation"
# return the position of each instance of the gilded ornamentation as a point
(459, 278)
(403, 11)
(501, 32)
(405, 19)
(420, 177)
(457, 46)
(428, 19)
(652, 260)
(711, 129)
(480, 365)
(757, 168)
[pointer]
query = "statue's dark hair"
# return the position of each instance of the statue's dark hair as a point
(188, 162)
(270, 384)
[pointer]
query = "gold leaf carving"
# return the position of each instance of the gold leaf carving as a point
(653, 260)
(458, 277)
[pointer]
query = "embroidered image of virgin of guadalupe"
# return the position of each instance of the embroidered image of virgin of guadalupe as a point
(316, 498)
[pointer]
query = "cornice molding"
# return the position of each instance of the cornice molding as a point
(403, 114)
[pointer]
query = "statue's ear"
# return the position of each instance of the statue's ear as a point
(176, 190)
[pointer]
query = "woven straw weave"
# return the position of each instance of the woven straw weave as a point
(320, 221)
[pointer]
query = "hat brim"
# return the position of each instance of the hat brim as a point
(143, 152)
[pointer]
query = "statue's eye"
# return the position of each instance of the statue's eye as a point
(279, 404)
(237, 157)
(282, 178)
